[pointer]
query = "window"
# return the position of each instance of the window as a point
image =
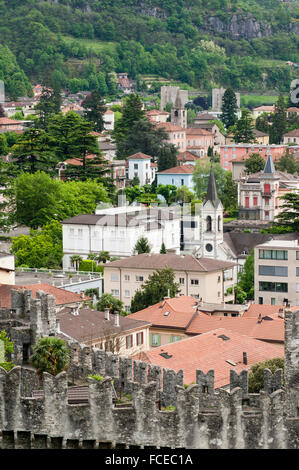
(127, 308)
(274, 286)
(135, 166)
(139, 278)
(182, 280)
(297, 301)
(273, 271)
(115, 292)
(127, 293)
(209, 223)
(297, 287)
(273, 254)
(114, 277)
(273, 300)
(155, 339)
(297, 254)
(129, 341)
(255, 201)
(261, 300)
(194, 282)
(72, 233)
(173, 339)
(127, 277)
(182, 182)
(80, 233)
(139, 338)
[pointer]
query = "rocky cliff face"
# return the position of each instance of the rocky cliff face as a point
(238, 26)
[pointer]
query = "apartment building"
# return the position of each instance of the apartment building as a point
(277, 272)
(203, 278)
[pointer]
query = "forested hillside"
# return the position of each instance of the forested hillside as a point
(242, 43)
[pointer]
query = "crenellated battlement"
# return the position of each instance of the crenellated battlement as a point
(161, 411)
(194, 422)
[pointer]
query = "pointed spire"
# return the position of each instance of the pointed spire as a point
(212, 190)
(269, 167)
(178, 101)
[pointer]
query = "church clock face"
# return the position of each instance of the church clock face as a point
(209, 247)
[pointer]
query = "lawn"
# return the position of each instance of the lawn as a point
(95, 45)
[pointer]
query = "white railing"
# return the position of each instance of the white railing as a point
(59, 271)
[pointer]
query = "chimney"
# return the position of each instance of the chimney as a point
(245, 358)
(259, 320)
(75, 311)
(107, 314)
(116, 319)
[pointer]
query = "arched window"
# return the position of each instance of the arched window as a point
(209, 223)
(219, 223)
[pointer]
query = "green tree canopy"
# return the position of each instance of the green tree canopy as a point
(279, 121)
(50, 355)
(229, 108)
(94, 110)
(154, 289)
(246, 278)
(256, 374)
(108, 301)
(8, 349)
(132, 111)
(254, 163)
(40, 249)
(243, 129)
(39, 198)
(142, 246)
(289, 216)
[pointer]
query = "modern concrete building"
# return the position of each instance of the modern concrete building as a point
(276, 274)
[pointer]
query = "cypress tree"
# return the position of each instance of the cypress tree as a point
(229, 108)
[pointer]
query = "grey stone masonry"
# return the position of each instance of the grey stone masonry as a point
(163, 411)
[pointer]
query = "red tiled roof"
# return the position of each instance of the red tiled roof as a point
(187, 156)
(139, 156)
(5, 121)
(210, 351)
(197, 131)
(183, 169)
(181, 311)
(267, 330)
(63, 297)
(169, 127)
(264, 310)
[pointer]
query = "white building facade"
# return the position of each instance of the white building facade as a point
(117, 230)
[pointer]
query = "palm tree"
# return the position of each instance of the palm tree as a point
(76, 260)
(50, 355)
(103, 256)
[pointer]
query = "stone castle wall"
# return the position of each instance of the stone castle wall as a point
(198, 416)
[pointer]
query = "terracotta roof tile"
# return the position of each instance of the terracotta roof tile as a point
(266, 330)
(182, 169)
(209, 351)
(180, 312)
(170, 127)
(63, 297)
(139, 156)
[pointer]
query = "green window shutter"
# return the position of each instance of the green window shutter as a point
(179, 338)
(159, 340)
(170, 338)
(151, 339)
